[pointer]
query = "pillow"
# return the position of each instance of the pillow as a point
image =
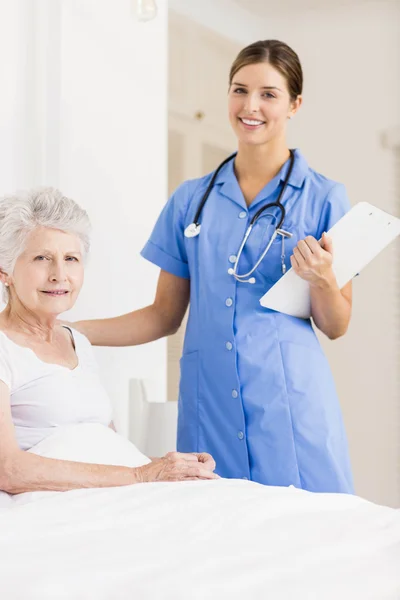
(84, 442)
(90, 443)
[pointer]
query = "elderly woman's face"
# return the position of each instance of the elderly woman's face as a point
(48, 275)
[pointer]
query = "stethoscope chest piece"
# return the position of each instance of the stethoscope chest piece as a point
(192, 230)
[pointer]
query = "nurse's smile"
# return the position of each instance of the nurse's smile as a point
(251, 124)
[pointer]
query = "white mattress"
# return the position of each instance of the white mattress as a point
(195, 540)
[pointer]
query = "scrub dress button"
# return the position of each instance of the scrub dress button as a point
(235, 394)
(242, 214)
(229, 302)
(246, 478)
(232, 258)
(240, 435)
(228, 346)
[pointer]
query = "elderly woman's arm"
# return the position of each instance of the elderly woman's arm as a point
(23, 471)
(161, 318)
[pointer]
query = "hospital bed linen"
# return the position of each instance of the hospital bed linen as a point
(195, 540)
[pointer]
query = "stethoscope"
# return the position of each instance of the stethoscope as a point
(193, 229)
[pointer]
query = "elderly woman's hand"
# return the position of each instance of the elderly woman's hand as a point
(206, 459)
(312, 261)
(177, 466)
(202, 457)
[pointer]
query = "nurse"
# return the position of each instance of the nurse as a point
(256, 390)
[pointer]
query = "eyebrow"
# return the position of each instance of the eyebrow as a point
(47, 251)
(264, 87)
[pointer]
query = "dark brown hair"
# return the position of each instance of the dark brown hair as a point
(279, 55)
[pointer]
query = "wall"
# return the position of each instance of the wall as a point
(17, 130)
(222, 17)
(351, 61)
(84, 108)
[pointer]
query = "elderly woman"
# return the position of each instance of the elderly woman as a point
(48, 375)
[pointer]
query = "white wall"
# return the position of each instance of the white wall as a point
(94, 123)
(224, 17)
(351, 61)
(16, 128)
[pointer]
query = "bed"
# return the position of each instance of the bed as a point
(194, 540)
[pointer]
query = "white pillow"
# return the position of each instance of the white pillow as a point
(90, 443)
(85, 442)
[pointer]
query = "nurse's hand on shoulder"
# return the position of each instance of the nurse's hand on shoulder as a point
(312, 260)
(178, 466)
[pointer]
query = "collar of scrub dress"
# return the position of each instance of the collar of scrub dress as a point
(193, 229)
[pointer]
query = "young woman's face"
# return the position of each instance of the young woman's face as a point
(260, 104)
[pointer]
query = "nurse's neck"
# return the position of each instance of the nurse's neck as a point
(257, 165)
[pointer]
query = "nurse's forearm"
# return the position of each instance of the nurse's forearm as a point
(161, 318)
(134, 328)
(330, 307)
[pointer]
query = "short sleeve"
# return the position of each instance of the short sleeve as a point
(166, 246)
(5, 370)
(336, 205)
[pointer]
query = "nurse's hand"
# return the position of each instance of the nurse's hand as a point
(312, 260)
(176, 466)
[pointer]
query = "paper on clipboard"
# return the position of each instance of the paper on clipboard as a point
(359, 236)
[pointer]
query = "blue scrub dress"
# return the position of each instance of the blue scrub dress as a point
(256, 390)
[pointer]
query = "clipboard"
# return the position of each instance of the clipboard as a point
(358, 237)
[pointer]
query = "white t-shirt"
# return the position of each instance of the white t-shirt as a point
(46, 396)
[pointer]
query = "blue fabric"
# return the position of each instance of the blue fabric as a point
(256, 390)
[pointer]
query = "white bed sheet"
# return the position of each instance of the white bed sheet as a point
(195, 540)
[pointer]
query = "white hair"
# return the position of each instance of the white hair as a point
(25, 211)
